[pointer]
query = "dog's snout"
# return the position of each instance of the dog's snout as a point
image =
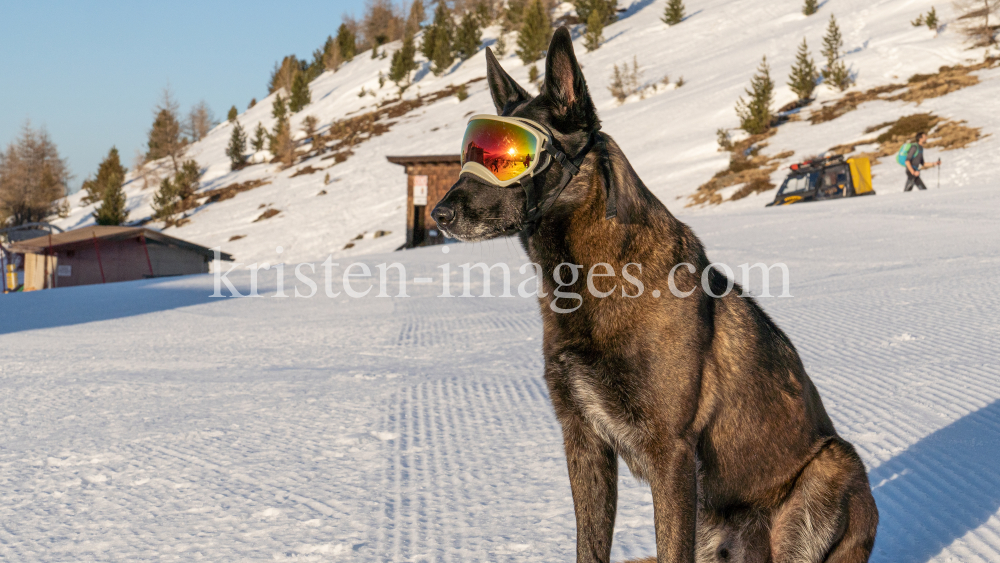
(443, 214)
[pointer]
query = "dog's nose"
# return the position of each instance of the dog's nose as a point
(443, 214)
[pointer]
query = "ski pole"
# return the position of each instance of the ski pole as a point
(939, 175)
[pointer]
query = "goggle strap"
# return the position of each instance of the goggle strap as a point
(528, 184)
(566, 163)
(570, 169)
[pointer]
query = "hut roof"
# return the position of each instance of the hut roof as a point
(425, 159)
(86, 235)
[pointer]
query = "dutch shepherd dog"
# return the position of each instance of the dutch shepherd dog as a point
(704, 397)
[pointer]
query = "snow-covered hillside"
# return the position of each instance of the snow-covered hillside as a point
(670, 137)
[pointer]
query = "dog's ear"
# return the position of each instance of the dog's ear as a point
(502, 86)
(564, 82)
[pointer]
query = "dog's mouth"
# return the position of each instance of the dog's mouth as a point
(485, 229)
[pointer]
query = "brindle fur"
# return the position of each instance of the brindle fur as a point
(704, 398)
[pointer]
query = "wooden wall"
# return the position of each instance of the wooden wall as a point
(441, 176)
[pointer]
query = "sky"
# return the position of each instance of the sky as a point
(91, 72)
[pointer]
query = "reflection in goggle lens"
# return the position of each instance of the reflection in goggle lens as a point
(505, 149)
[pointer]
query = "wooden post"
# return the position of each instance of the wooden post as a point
(142, 239)
(98, 251)
(48, 254)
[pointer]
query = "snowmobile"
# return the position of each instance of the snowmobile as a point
(825, 178)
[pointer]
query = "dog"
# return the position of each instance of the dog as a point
(704, 397)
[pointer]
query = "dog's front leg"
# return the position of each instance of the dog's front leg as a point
(675, 496)
(593, 476)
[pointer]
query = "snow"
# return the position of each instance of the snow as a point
(177, 426)
(149, 420)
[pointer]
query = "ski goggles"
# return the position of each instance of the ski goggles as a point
(503, 150)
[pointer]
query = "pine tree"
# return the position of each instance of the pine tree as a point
(416, 17)
(533, 74)
(164, 202)
(279, 110)
(284, 73)
(607, 8)
(832, 42)
(112, 209)
(513, 14)
(300, 97)
(110, 175)
(280, 140)
(165, 136)
(469, 36)
(674, 13)
(233, 113)
(330, 50)
(324, 59)
(427, 44)
(259, 137)
(535, 34)
(32, 178)
(110, 180)
(594, 35)
(437, 44)
(176, 194)
(443, 54)
(309, 126)
(237, 146)
(199, 121)
(403, 62)
(755, 115)
(346, 42)
(835, 73)
(280, 144)
(932, 19)
(802, 80)
(810, 7)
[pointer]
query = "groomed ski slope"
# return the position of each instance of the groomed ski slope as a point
(178, 427)
(669, 137)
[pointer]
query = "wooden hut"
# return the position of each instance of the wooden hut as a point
(428, 179)
(99, 254)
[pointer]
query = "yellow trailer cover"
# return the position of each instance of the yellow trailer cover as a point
(861, 174)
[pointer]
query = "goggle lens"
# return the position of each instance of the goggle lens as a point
(505, 149)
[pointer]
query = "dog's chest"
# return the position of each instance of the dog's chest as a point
(603, 398)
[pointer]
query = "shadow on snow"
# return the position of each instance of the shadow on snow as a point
(939, 489)
(84, 304)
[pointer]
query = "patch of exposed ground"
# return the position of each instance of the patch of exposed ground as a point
(340, 138)
(305, 170)
(747, 166)
(943, 134)
(345, 134)
(201, 199)
(918, 88)
(230, 191)
(267, 214)
(850, 102)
